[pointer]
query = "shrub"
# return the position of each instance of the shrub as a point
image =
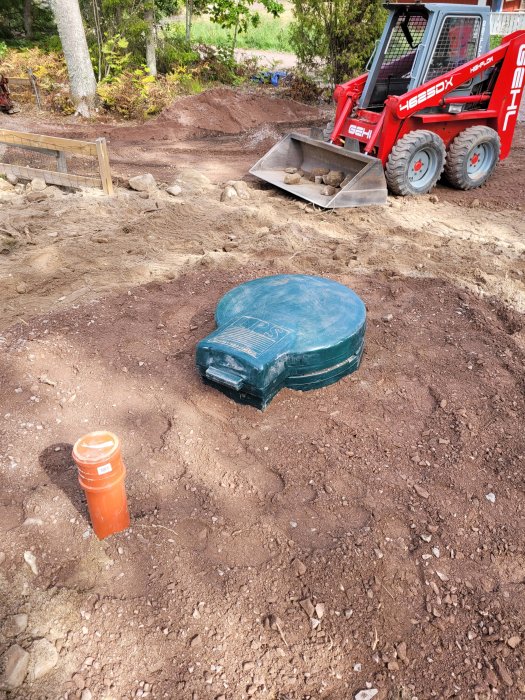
(341, 33)
(137, 95)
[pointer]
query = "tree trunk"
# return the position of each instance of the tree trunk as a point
(189, 17)
(28, 19)
(82, 83)
(151, 42)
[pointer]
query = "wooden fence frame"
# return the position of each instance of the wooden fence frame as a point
(29, 82)
(54, 145)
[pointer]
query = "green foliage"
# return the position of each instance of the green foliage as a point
(270, 34)
(115, 57)
(12, 19)
(341, 33)
(3, 49)
(239, 15)
(495, 41)
(173, 51)
(135, 94)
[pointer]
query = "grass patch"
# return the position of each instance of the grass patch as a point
(271, 34)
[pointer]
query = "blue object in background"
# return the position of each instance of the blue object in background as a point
(272, 77)
(296, 331)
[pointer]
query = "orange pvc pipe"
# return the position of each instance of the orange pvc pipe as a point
(101, 473)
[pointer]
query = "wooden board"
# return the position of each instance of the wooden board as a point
(103, 164)
(22, 138)
(52, 178)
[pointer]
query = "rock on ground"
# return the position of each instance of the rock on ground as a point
(15, 625)
(43, 659)
(5, 186)
(174, 190)
(13, 667)
(240, 187)
(228, 193)
(38, 184)
(193, 177)
(143, 183)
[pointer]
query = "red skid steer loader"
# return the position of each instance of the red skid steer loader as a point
(435, 99)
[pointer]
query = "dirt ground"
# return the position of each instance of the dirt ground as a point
(370, 535)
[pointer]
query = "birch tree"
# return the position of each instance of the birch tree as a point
(82, 83)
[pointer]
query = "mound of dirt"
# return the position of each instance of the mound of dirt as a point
(221, 111)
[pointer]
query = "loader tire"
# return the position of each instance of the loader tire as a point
(415, 163)
(472, 157)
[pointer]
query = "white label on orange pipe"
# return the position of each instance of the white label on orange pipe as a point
(104, 469)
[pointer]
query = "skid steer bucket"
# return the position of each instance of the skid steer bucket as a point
(364, 174)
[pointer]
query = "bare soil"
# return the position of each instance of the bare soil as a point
(341, 538)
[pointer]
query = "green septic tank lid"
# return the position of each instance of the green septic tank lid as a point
(292, 331)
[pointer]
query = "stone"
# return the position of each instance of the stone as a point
(78, 680)
(433, 199)
(298, 567)
(86, 694)
(401, 650)
(174, 190)
(318, 179)
(294, 179)
(13, 667)
(307, 606)
(195, 641)
(366, 694)
(388, 318)
(36, 196)
(43, 658)
(6, 186)
(475, 203)
(12, 179)
(38, 184)
(241, 188)
(290, 171)
(319, 172)
(30, 560)
(421, 491)
(503, 672)
(514, 641)
(193, 177)
(328, 190)
(143, 183)
(334, 178)
(491, 497)
(228, 194)
(15, 625)
(21, 288)
(319, 610)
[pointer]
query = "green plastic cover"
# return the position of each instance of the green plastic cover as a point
(292, 331)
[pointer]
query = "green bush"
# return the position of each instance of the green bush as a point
(173, 51)
(3, 49)
(339, 33)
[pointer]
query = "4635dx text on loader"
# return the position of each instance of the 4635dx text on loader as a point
(435, 100)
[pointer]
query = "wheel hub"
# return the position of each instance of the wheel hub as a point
(422, 168)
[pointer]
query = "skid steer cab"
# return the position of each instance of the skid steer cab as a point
(435, 100)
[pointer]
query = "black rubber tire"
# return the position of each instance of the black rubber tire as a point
(403, 154)
(475, 140)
